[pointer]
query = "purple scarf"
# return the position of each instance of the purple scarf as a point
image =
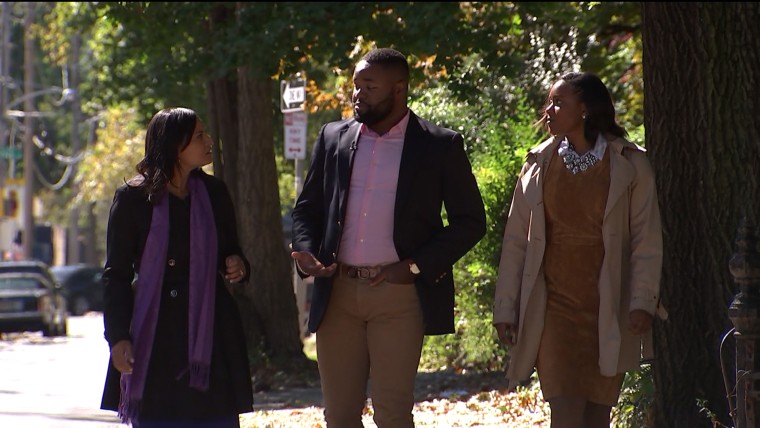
(203, 257)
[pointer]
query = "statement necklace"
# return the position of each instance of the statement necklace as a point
(578, 163)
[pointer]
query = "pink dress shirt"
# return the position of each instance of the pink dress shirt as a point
(367, 238)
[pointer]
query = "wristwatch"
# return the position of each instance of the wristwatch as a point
(413, 268)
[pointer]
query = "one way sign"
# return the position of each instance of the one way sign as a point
(292, 95)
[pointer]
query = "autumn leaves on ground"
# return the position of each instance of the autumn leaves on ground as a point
(444, 399)
(487, 409)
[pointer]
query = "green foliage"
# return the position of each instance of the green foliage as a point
(152, 54)
(530, 44)
(112, 161)
(497, 141)
(635, 406)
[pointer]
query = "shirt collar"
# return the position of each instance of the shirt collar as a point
(597, 151)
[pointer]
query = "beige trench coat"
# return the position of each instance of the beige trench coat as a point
(630, 274)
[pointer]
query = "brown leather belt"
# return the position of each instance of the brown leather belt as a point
(360, 272)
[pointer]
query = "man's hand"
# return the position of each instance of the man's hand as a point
(309, 264)
(397, 273)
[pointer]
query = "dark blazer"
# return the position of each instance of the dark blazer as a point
(434, 173)
(128, 227)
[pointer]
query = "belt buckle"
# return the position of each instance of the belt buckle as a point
(360, 272)
(363, 272)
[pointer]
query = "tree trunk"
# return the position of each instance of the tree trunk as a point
(222, 94)
(701, 107)
(240, 110)
(270, 289)
(222, 107)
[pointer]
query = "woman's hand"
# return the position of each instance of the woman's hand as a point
(235, 268)
(121, 356)
(640, 321)
(507, 333)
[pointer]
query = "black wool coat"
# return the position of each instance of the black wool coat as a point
(165, 397)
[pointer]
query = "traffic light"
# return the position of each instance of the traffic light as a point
(10, 204)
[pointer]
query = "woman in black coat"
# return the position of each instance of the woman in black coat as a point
(178, 354)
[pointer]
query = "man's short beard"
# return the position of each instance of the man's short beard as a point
(367, 119)
(376, 113)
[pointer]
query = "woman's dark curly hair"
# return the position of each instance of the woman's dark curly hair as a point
(169, 132)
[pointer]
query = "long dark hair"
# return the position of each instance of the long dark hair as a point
(600, 110)
(169, 131)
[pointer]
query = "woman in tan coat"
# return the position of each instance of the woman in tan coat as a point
(579, 275)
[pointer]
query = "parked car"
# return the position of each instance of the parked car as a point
(82, 287)
(33, 266)
(29, 301)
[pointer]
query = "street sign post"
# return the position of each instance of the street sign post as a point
(292, 97)
(295, 134)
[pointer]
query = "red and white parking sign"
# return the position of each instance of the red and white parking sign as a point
(295, 134)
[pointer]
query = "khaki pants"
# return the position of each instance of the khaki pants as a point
(369, 334)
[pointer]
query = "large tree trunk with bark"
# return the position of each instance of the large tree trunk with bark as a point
(240, 110)
(222, 95)
(271, 288)
(701, 107)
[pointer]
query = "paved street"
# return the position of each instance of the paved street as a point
(55, 382)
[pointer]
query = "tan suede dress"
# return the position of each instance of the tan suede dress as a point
(568, 356)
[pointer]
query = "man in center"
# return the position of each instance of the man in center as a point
(368, 226)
